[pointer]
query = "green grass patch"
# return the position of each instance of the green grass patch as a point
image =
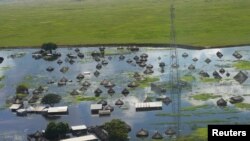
(245, 106)
(200, 134)
(194, 108)
(117, 52)
(171, 114)
(87, 98)
(205, 96)
(2, 77)
(147, 81)
(5, 68)
(242, 65)
(198, 22)
(188, 78)
(209, 80)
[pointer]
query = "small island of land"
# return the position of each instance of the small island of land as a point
(199, 23)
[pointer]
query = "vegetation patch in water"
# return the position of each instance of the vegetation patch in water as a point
(1, 86)
(209, 80)
(200, 134)
(242, 65)
(193, 108)
(147, 81)
(5, 68)
(87, 98)
(2, 77)
(245, 106)
(205, 96)
(162, 114)
(188, 78)
(116, 52)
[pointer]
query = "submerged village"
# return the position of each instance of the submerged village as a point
(127, 88)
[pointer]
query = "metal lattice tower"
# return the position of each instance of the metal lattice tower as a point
(174, 71)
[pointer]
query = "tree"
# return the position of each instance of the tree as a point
(56, 130)
(51, 99)
(117, 130)
(49, 47)
(22, 89)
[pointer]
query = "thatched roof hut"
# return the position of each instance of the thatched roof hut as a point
(77, 50)
(219, 54)
(104, 62)
(237, 55)
(103, 102)
(98, 91)
(74, 92)
(228, 74)
(208, 60)
(236, 99)
(109, 107)
(170, 132)
(96, 73)
(142, 133)
(50, 69)
(121, 57)
(86, 84)
(64, 69)
(222, 71)
(133, 84)
(59, 61)
(144, 55)
(80, 55)
(109, 84)
(98, 66)
(221, 102)
(191, 67)
(195, 59)
(203, 74)
(111, 91)
(119, 102)
(240, 77)
(149, 66)
(216, 75)
(157, 135)
(80, 76)
(104, 82)
(148, 71)
(162, 64)
(125, 92)
(129, 61)
(136, 58)
(1, 60)
(184, 55)
(142, 64)
(97, 59)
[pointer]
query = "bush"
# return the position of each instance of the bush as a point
(117, 130)
(51, 99)
(56, 130)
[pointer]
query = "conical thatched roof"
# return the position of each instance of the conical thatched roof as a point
(109, 107)
(63, 79)
(204, 74)
(149, 66)
(142, 64)
(80, 55)
(77, 50)
(129, 61)
(144, 55)
(74, 92)
(221, 102)
(236, 99)
(121, 57)
(208, 60)
(137, 75)
(219, 54)
(191, 67)
(222, 71)
(64, 69)
(109, 84)
(216, 75)
(148, 71)
(184, 55)
(59, 61)
(98, 66)
(142, 133)
(111, 91)
(104, 62)
(240, 77)
(157, 135)
(132, 84)
(97, 59)
(125, 92)
(103, 102)
(136, 58)
(86, 84)
(96, 73)
(195, 59)
(50, 69)
(104, 82)
(237, 55)
(80, 76)
(162, 64)
(98, 91)
(119, 102)
(170, 132)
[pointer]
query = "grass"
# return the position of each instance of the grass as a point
(147, 81)
(87, 98)
(200, 134)
(162, 114)
(2, 77)
(209, 80)
(73, 22)
(194, 108)
(245, 106)
(205, 96)
(188, 78)
(242, 65)
(5, 68)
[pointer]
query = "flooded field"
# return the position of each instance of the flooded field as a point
(198, 103)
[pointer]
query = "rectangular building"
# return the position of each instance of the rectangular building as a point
(148, 106)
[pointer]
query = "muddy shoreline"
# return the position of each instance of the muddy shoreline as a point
(132, 44)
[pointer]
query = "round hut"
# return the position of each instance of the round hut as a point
(50, 69)
(125, 92)
(119, 102)
(109, 107)
(221, 102)
(98, 66)
(236, 99)
(132, 84)
(142, 133)
(103, 102)
(157, 135)
(170, 132)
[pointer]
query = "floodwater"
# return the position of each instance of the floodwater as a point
(25, 69)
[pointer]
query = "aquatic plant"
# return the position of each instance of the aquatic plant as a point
(205, 96)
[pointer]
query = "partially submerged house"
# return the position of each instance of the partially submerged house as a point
(148, 106)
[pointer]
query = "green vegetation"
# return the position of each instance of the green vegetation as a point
(205, 96)
(147, 81)
(117, 130)
(162, 114)
(2, 77)
(188, 78)
(116, 52)
(56, 130)
(51, 99)
(245, 106)
(209, 80)
(193, 108)
(5, 68)
(212, 121)
(242, 65)
(87, 98)
(1, 86)
(198, 22)
(49, 47)
(199, 134)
